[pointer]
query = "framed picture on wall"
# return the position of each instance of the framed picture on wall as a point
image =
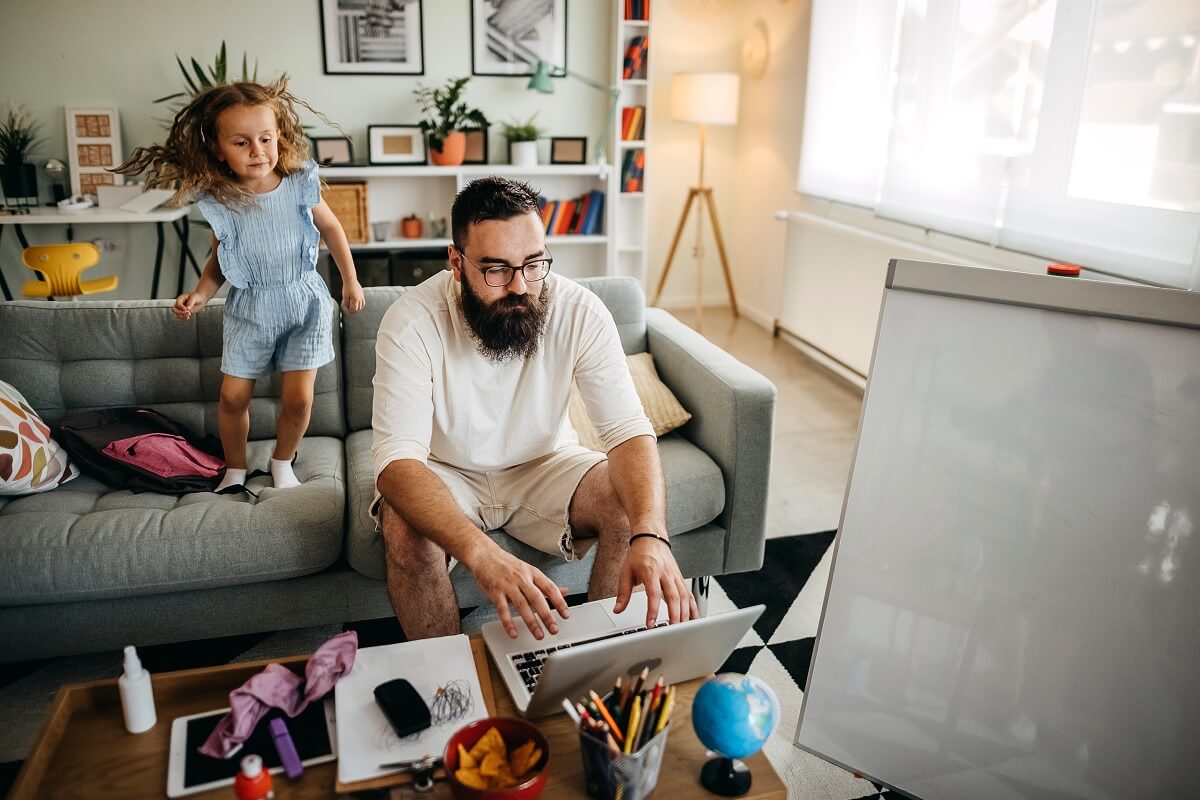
(477, 147)
(93, 148)
(568, 150)
(395, 144)
(509, 37)
(373, 37)
(330, 151)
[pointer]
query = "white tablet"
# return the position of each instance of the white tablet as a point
(314, 732)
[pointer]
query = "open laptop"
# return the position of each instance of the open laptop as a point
(595, 645)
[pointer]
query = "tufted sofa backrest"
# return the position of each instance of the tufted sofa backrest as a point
(74, 356)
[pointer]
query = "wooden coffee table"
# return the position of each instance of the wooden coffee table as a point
(83, 750)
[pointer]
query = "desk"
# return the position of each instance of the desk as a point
(41, 215)
(83, 750)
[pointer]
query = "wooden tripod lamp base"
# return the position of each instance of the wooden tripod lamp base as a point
(704, 193)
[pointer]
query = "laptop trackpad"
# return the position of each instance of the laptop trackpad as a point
(586, 620)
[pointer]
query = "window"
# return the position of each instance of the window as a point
(1066, 129)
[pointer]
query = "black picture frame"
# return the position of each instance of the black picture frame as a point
(568, 149)
(477, 146)
(381, 153)
(495, 49)
(332, 151)
(356, 39)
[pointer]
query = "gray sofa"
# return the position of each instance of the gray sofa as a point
(86, 568)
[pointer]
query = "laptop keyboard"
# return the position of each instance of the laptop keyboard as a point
(529, 664)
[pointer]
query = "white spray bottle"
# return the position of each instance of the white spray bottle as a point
(137, 696)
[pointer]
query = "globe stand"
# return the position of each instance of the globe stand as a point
(726, 776)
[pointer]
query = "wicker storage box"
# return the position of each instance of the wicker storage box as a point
(348, 201)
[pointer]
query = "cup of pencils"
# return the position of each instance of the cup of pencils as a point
(622, 737)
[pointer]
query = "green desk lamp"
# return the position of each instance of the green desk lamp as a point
(541, 82)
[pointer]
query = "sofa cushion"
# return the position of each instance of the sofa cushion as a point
(91, 354)
(658, 402)
(87, 541)
(695, 496)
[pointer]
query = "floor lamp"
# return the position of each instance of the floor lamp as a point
(706, 98)
(540, 82)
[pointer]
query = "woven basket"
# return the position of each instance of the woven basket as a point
(348, 202)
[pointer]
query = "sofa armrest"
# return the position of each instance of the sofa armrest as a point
(733, 411)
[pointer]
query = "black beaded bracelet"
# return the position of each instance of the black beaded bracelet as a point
(662, 539)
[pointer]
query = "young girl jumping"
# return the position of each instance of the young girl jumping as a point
(239, 150)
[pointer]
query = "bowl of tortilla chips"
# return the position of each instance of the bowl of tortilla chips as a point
(498, 758)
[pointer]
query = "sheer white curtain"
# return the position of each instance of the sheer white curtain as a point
(1067, 129)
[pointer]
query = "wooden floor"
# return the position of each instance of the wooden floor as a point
(816, 422)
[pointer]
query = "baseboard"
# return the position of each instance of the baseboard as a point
(832, 365)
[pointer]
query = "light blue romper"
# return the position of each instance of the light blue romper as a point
(279, 313)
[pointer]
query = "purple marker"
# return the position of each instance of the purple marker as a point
(286, 748)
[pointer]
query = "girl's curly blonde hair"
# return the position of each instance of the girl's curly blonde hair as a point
(187, 161)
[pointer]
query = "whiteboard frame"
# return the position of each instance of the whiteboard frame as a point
(1164, 306)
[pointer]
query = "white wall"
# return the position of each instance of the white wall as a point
(751, 167)
(55, 53)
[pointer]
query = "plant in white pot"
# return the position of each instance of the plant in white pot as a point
(522, 142)
(19, 140)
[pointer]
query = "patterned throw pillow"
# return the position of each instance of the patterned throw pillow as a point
(660, 404)
(30, 461)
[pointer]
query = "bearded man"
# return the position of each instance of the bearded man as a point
(473, 375)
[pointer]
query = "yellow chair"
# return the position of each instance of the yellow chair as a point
(60, 265)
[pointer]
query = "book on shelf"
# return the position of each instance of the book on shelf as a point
(577, 216)
(637, 10)
(633, 123)
(634, 65)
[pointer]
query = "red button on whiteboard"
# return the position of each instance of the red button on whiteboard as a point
(1068, 270)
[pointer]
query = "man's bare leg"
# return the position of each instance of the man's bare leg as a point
(418, 582)
(596, 510)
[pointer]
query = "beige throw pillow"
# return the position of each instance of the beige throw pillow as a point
(660, 404)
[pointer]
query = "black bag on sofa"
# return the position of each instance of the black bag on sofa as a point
(140, 449)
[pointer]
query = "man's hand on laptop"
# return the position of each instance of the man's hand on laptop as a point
(650, 563)
(505, 579)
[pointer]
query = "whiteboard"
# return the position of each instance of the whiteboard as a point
(1013, 609)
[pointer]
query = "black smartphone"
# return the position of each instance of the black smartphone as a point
(403, 707)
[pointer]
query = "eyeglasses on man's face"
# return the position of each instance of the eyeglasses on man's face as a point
(502, 274)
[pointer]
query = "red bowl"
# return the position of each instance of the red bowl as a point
(515, 733)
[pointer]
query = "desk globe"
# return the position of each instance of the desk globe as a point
(733, 715)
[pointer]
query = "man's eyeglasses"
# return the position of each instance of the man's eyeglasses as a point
(498, 275)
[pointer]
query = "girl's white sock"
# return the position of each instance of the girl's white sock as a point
(281, 473)
(233, 477)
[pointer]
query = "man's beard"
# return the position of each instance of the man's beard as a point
(502, 331)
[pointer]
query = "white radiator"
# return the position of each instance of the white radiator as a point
(832, 286)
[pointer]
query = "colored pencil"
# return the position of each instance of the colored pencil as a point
(604, 712)
(667, 706)
(635, 714)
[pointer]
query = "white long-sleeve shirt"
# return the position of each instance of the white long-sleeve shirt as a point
(437, 396)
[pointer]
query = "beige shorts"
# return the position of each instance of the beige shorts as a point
(530, 501)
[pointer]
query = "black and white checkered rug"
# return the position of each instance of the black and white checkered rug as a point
(791, 585)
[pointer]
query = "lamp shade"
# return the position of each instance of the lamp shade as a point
(540, 82)
(707, 97)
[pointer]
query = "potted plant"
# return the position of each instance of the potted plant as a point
(19, 139)
(446, 117)
(218, 74)
(522, 142)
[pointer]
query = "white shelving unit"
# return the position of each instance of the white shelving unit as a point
(627, 210)
(394, 192)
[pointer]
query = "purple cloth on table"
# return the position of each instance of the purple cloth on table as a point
(278, 687)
